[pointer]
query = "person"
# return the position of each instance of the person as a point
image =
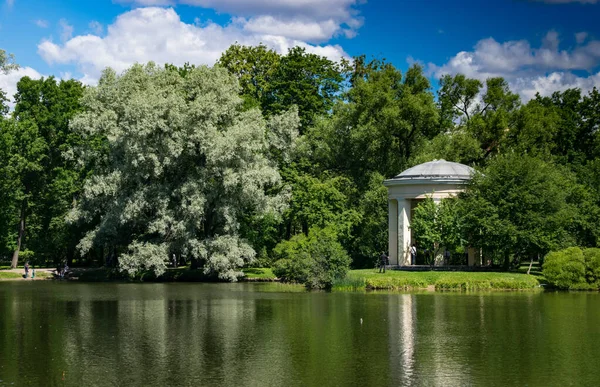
(383, 260)
(33, 273)
(413, 254)
(26, 269)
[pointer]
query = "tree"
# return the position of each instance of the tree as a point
(437, 226)
(277, 82)
(50, 105)
(185, 162)
(457, 98)
(426, 229)
(24, 152)
(382, 121)
(255, 68)
(7, 62)
(309, 81)
(519, 205)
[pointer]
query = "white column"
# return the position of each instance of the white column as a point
(393, 231)
(404, 232)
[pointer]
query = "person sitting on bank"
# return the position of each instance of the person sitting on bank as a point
(383, 260)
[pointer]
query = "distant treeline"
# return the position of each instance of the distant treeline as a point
(266, 157)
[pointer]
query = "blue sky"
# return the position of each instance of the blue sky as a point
(538, 46)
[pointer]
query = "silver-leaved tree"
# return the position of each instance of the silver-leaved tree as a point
(175, 162)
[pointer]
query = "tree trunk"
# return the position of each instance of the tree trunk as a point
(15, 257)
(530, 264)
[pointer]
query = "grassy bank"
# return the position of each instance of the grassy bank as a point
(9, 275)
(370, 279)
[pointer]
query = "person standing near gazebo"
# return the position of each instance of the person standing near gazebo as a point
(413, 254)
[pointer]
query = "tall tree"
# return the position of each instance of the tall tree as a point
(383, 119)
(185, 163)
(255, 68)
(50, 105)
(23, 156)
(277, 82)
(521, 205)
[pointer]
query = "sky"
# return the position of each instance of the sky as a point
(537, 45)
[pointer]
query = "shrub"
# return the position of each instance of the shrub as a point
(565, 269)
(316, 260)
(592, 263)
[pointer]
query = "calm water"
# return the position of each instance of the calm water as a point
(55, 334)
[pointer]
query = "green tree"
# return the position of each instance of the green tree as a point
(255, 68)
(185, 162)
(277, 82)
(437, 226)
(426, 229)
(383, 120)
(520, 205)
(24, 153)
(50, 105)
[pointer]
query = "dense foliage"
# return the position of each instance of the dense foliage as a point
(316, 260)
(271, 159)
(573, 268)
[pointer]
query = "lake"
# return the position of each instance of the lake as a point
(181, 334)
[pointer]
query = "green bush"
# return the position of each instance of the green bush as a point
(565, 269)
(316, 260)
(592, 263)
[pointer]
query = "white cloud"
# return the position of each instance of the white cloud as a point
(66, 30)
(8, 82)
(41, 23)
(556, 81)
(528, 69)
(96, 27)
(580, 37)
(310, 20)
(158, 34)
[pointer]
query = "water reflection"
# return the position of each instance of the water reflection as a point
(201, 334)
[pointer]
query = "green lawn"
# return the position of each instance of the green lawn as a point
(439, 280)
(263, 273)
(10, 275)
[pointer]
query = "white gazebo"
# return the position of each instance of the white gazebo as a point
(438, 179)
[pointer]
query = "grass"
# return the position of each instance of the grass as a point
(5, 275)
(259, 273)
(10, 275)
(370, 279)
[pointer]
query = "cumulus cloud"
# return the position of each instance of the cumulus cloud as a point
(159, 35)
(528, 69)
(8, 82)
(310, 20)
